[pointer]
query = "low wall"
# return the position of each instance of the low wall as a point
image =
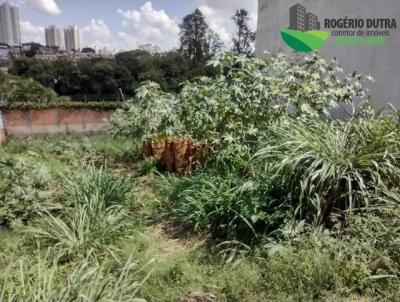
(22, 123)
(2, 133)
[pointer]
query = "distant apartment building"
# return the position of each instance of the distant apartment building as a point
(10, 31)
(55, 37)
(298, 17)
(4, 53)
(72, 38)
(312, 22)
(106, 53)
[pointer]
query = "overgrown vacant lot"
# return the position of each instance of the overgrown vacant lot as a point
(81, 222)
(266, 205)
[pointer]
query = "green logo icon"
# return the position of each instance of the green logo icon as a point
(304, 33)
(304, 41)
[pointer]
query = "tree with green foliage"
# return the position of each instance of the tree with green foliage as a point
(20, 90)
(130, 59)
(244, 37)
(42, 71)
(98, 77)
(2, 77)
(150, 70)
(168, 69)
(68, 77)
(88, 50)
(21, 65)
(34, 49)
(198, 41)
(176, 69)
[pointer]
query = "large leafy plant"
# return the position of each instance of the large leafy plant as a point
(23, 189)
(244, 98)
(151, 114)
(249, 94)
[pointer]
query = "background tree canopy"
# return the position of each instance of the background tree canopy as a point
(104, 78)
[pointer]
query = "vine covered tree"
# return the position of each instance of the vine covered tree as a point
(243, 40)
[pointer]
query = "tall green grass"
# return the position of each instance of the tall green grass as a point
(105, 186)
(95, 216)
(86, 229)
(337, 165)
(73, 149)
(41, 279)
(305, 168)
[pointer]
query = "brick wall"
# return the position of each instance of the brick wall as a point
(2, 133)
(22, 123)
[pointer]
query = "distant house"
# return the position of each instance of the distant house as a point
(5, 50)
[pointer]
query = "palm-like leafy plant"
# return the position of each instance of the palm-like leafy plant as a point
(42, 280)
(109, 188)
(338, 164)
(85, 229)
(95, 216)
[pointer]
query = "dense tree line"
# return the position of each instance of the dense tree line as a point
(98, 78)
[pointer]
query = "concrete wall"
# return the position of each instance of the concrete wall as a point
(22, 123)
(380, 61)
(2, 133)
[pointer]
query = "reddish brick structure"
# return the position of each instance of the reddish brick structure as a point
(23, 123)
(176, 155)
(2, 133)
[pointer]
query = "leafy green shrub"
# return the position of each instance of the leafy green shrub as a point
(307, 168)
(248, 94)
(241, 101)
(376, 231)
(23, 189)
(20, 90)
(333, 165)
(151, 114)
(307, 263)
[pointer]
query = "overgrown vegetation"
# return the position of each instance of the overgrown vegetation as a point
(284, 180)
(301, 206)
(242, 101)
(17, 90)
